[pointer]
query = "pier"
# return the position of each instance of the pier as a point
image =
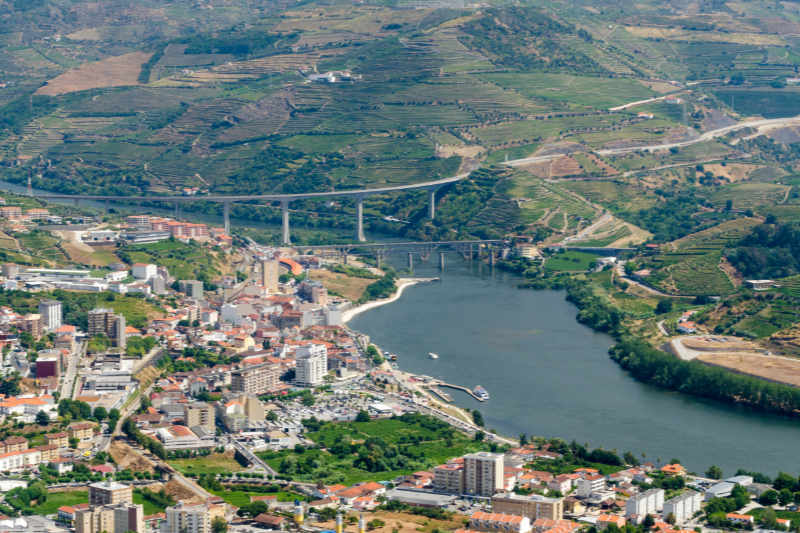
(441, 394)
(459, 387)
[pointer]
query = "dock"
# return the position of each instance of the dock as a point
(459, 387)
(441, 394)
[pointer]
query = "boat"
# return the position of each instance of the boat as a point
(480, 393)
(433, 355)
(393, 357)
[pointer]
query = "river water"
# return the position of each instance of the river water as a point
(550, 376)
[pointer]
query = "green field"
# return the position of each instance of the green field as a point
(241, 498)
(215, 463)
(183, 260)
(570, 261)
(421, 442)
(59, 499)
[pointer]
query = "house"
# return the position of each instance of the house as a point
(349, 495)
(269, 521)
(760, 284)
(686, 327)
(506, 523)
(605, 520)
(744, 519)
(674, 469)
(66, 513)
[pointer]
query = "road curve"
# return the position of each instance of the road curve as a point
(707, 136)
(268, 197)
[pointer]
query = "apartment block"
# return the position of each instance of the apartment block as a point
(483, 473)
(117, 518)
(312, 365)
(683, 506)
(51, 313)
(103, 321)
(200, 414)
(533, 506)
(183, 518)
(256, 379)
(644, 503)
(589, 484)
(270, 275)
(110, 493)
(449, 478)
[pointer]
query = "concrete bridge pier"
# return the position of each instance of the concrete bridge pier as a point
(77, 201)
(379, 253)
(226, 216)
(432, 204)
(410, 261)
(344, 256)
(360, 219)
(491, 255)
(441, 261)
(285, 225)
(108, 206)
(177, 210)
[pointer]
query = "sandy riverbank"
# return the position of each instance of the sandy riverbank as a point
(402, 283)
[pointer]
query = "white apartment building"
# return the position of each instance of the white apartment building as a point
(589, 484)
(483, 473)
(184, 518)
(312, 364)
(51, 314)
(144, 271)
(683, 506)
(644, 503)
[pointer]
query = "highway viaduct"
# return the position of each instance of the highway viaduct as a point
(284, 199)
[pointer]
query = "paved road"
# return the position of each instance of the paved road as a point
(252, 457)
(707, 136)
(68, 380)
(268, 197)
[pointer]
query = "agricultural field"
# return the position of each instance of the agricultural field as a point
(570, 261)
(216, 463)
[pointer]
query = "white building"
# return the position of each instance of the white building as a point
(51, 314)
(483, 473)
(312, 364)
(645, 503)
(183, 518)
(589, 484)
(144, 271)
(683, 506)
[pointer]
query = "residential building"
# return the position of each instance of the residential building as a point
(644, 503)
(312, 364)
(81, 431)
(192, 288)
(683, 506)
(144, 271)
(449, 478)
(103, 321)
(48, 367)
(60, 440)
(51, 313)
(483, 473)
(32, 323)
(605, 520)
(110, 493)
(241, 413)
(20, 460)
(744, 519)
(589, 484)
(505, 523)
(532, 506)
(256, 379)
(200, 414)
(269, 275)
(112, 518)
(184, 518)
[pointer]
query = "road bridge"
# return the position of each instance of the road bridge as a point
(468, 248)
(284, 199)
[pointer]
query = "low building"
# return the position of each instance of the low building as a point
(743, 519)
(81, 431)
(644, 503)
(760, 284)
(532, 506)
(505, 523)
(605, 520)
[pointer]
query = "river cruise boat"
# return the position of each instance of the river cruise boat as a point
(433, 355)
(481, 393)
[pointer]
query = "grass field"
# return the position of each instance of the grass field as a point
(216, 463)
(569, 261)
(59, 499)
(240, 498)
(436, 444)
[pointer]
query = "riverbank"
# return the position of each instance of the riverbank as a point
(402, 284)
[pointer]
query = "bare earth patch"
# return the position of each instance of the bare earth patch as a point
(110, 72)
(449, 150)
(350, 287)
(777, 369)
(126, 457)
(731, 171)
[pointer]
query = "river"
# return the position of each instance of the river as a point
(550, 376)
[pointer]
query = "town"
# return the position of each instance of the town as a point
(137, 400)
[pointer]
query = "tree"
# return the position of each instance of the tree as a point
(785, 496)
(272, 416)
(477, 418)
(42, 418)
(664, 306)
(219, 525)
(362, 416)
(648, 522)
(73, 442)
(769, 497)
(630, 459)
(100, 413)
(523, 439)
(714, 472)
